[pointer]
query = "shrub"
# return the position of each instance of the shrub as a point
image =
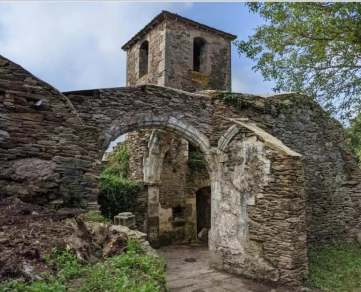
(196, 160)
(117, 194)
(118, 162)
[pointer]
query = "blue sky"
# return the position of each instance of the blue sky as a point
(76, 45)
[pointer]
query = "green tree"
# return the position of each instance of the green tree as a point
(354, 138)
(310, 47)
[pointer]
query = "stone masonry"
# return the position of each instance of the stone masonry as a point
(282, 179)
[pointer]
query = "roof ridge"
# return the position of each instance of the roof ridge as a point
(161, 17)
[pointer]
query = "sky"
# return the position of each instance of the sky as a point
(77, 45)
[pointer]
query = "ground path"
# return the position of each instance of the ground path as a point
(188, 271)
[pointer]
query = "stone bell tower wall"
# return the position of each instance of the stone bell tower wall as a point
(179, 73)
(169, 60)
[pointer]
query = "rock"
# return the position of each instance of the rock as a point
(203, 234)
(31, 169)
(4, 135)
(35, 213)
(4, 240)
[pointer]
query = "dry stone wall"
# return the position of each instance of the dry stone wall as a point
(179, 59)
(170, 61)
(45, 149)
(259, 228)
(156, 55)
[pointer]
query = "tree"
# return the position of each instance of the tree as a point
(354, 138)
(312, 47)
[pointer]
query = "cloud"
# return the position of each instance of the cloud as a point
(245, 80)
(74, 45)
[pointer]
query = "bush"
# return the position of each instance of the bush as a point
(196, 160)
(117, 194)
(118, 162)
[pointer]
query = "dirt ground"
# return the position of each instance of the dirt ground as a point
(27, 233)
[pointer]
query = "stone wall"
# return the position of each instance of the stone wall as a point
(170, 61)
(296, 120)
(156, 55)
(179, 74)
(45, 149)
(177, 186)
(259, 215)
(137, 144)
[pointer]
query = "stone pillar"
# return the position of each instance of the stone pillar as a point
(153, 215)
(159, 144)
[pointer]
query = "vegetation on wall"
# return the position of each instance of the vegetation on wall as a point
(118, 193)
(196, 160)
(312, 48)
(354, 138)
(229, 97)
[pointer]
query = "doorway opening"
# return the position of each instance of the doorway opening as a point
(203, 205)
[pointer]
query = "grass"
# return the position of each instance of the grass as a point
(133, 271)
(336, 268)
(94, 216)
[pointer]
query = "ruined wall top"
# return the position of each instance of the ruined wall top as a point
(177, 52)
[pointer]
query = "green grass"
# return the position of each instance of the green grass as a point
(336, 268)
(94, 216)
(133, 271)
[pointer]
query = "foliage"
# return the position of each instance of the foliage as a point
(133, 271)
(336, 268)
(229, 97)
(94, 216)
(354, 138)
(73, 199)
(117, 194)
(196, 160)
(118, 161)
(312, 47)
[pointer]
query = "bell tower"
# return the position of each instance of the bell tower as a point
(177, 52)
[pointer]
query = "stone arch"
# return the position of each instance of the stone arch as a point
(165, 122)
(153, 163)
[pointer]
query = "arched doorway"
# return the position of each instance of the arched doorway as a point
(203, 207)
(160, 141)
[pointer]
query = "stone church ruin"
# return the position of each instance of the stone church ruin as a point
(278, 177)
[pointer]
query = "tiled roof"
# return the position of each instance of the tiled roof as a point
(168, 15)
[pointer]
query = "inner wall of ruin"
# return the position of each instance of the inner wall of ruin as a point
(177, 182)
(258, 202)
(70, 132)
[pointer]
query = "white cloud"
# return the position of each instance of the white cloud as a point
(244, 80)
(74, 45)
